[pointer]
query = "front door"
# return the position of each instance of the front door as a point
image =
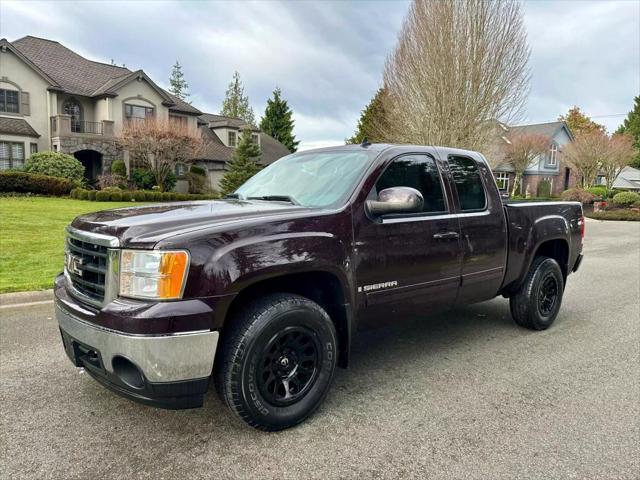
(408, 263)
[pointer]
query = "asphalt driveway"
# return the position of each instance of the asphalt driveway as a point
(462, 395)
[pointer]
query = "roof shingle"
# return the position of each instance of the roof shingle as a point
(78, 75)
(17, 126)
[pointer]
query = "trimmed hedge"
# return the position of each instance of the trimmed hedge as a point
(625, 199)
(23, 182)
(619, 214)
(600, 192)
(135, 196)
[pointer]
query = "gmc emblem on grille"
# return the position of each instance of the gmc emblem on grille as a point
(73, 264)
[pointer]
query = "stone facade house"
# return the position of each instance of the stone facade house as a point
(548, 167)
(51, 98)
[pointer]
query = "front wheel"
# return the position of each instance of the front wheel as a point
(277, 361)
(537, 303)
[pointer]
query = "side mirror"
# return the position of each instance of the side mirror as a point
(396, 200)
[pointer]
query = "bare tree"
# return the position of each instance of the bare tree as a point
(587, 153)
(521, 151)
(160, 145)
(458, 67)
(619, 154)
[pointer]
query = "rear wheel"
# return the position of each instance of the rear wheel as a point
(277, 361)
(537, 303)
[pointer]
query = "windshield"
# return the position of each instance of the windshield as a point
(309, 179)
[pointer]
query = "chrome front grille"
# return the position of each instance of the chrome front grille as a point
(87, 267)
(91, 266)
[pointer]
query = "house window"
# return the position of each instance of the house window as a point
(181, 170)
(9, 101)
(254, 138)
(553, 155)
(502, 179)
(178, 120)
(72, 107)
(232, 139)
(136, 112)
(11, 155)
(33, 148)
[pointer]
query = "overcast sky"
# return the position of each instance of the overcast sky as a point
(327, 56)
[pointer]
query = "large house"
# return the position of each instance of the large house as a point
(51, 98)
(549, 167)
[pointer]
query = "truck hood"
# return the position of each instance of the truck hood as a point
(145, 226)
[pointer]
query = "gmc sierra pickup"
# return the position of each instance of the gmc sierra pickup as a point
(261, 293)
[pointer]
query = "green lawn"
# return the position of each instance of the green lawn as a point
(32, 238)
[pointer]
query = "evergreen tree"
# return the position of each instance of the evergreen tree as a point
(579, 123)
(372, 120)
(178, 85)
(278, 121)
(243, 164)
(236, 103)
(631, 127)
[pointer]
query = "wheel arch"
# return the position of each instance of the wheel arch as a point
(321, 286)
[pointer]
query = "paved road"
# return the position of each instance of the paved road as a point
(462, 395)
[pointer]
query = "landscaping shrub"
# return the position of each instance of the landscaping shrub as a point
(109, 180)
(119, 168)
(155, 196)
(170, 182)
(91, 195)
(196, 170)
(619, 214)
(143, 178)
(103, 196)
(599, 192)
(577, 195)
(55, 164)
(116, 196)
(126, 196)
(544, 189)
(82, 194)
(23, 182)
(625, 199)
(138, 196)
(167, 196)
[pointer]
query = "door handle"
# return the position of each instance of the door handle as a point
(446, 236)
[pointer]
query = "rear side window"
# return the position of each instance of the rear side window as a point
(419, 172)
(466, 176)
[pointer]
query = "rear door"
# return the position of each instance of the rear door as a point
(483, 229)
(408, 263)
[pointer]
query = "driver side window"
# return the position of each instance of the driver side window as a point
(419, 172)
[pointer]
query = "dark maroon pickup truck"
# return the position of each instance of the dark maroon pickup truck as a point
(261, 293)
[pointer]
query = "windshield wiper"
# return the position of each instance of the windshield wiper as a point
(275, 198)
(235, 196)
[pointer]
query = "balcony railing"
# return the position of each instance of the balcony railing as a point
(86, 127)
(64, 125)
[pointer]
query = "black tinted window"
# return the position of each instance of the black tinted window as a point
(419, 172)
(466, 176)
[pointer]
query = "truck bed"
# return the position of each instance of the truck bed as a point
(552, 225)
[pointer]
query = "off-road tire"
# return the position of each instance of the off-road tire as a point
(526, 304)
(245, 348)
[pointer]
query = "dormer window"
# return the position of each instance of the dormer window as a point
(255, 139)
(9, 101)
(553, 155)
(232, 139)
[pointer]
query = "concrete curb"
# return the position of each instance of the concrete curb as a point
(23, 298)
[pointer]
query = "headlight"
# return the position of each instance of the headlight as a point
(153, 274)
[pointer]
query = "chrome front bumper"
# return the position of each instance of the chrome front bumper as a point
(161, 358)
